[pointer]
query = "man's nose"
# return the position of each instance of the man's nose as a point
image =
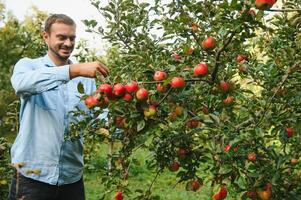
(68, 42)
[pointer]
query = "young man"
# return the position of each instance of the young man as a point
(47, 165)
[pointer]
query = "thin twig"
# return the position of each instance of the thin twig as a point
(186, 80)
(165, 96)
(174, 186)
(153, 181)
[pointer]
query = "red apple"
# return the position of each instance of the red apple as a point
(182, 153)
(224, 86)
(105, 88)
(174, 166)
(131, 87)
(189, 51)
(119, 89)
(264, 195)
(193, 123)
(177, 82)
(294, 161)
(91, 101)
(251, 194)
(268, 186)
(179, 110)
(160, 75)
(227, 148)
(200, 69)
(205, 109)
(127, 97)
(264, 4)
(222, 194)
(161, 88)
(176, 56)
(240, 58)
(118, 196)
(209, 43)
(141, 94)
(120, 121)
(251, 156)
(289, 131)
(195, 185)
(228, 100)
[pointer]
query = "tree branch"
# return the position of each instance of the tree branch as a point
(218, 55)
(284, 10)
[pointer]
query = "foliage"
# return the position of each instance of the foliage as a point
(241, 140)
(4, 172)
(18, 39)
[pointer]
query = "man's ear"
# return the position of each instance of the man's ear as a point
(45, 36)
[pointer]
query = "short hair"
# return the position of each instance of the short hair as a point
(57, 18)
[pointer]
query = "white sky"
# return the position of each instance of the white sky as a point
(77, 9)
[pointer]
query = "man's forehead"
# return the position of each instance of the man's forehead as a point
(59, 26)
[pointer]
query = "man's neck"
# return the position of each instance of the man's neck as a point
(56, 60)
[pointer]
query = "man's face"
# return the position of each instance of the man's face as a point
(60, 40)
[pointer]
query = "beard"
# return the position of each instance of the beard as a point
(59, 55)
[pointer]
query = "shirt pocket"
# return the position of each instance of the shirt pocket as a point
(47, 100)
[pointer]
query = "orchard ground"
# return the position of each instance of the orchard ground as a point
(139, 178)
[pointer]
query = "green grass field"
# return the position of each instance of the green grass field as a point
(140, 178)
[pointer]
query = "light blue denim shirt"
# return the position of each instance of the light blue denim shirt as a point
(47, 96)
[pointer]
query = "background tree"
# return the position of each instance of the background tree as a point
(18, 39)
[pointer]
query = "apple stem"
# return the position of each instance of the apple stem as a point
(284, 10)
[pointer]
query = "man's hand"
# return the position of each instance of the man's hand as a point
(88, 69)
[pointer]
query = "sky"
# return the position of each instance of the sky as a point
(77, 9)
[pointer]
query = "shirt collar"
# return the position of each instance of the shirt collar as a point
(49, 63)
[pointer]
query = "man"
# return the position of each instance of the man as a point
(47, 165)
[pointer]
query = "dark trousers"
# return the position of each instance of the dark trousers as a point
(23, 188)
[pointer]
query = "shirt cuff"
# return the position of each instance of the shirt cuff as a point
(63, 73)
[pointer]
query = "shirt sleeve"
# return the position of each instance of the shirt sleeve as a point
(28, 81)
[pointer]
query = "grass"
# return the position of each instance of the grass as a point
(140, 178)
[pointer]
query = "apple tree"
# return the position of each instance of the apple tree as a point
(210, 88)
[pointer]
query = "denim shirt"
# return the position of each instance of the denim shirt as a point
(47, 96)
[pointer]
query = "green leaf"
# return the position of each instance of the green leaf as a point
(80, 88)
(140, 125)
(225, 169)
(214, 118)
